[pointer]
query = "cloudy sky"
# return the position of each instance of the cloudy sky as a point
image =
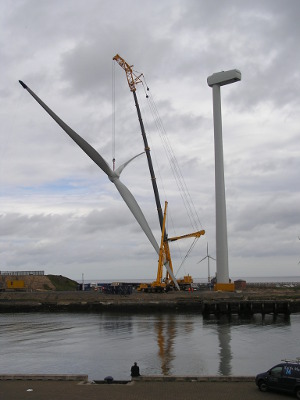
(59, 212)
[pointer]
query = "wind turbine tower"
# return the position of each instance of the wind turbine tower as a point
(215, 81)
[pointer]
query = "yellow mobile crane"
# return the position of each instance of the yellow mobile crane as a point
(164, 256)
(161, 284)
(132, 80)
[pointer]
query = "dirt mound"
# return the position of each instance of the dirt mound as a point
(34, 283)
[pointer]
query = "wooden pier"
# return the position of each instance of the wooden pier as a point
(247, 307)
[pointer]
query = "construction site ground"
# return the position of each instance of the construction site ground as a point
(175, 390)
(96, 300)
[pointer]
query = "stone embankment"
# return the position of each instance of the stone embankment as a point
(249, 301)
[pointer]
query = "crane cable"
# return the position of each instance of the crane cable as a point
(182, 187)
(183, 190)
(187, 254)
(187, 200)
(113, 113)
(169, 217)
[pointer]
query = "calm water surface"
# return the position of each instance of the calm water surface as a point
(166, 343)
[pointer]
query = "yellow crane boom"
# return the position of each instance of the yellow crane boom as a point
(164, 255)
(187, 280)
(195, 234)
(132, 78)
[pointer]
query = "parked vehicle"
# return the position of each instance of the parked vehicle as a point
(283, 377)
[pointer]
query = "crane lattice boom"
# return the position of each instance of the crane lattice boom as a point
(132, 78)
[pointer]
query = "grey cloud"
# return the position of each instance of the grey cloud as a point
(278, 210)
(67, 215)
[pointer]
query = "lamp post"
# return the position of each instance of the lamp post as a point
(215, 81)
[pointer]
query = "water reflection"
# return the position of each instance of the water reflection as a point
(162, 343)
(224, 325)
(114, 324)
(224, 337)
(165, 328)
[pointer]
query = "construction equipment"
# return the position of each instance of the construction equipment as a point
(132, 80)
(15, 285)
(162, 284)
(164, 254)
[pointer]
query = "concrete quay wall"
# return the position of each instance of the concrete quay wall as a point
(206, 302)
(149, 378)
(184, 378)
(44, 377)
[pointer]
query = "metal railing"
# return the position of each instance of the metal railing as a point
(21, 273)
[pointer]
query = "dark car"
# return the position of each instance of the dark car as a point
(284, 377)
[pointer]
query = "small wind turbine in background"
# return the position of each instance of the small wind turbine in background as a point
(208, 257)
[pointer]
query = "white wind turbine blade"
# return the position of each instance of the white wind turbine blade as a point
(99, 160)
(136, 211)
(85, 146)
(121, 167)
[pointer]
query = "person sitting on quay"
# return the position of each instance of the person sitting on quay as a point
(135, 370)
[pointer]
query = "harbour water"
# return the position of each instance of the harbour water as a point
(162, 343)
